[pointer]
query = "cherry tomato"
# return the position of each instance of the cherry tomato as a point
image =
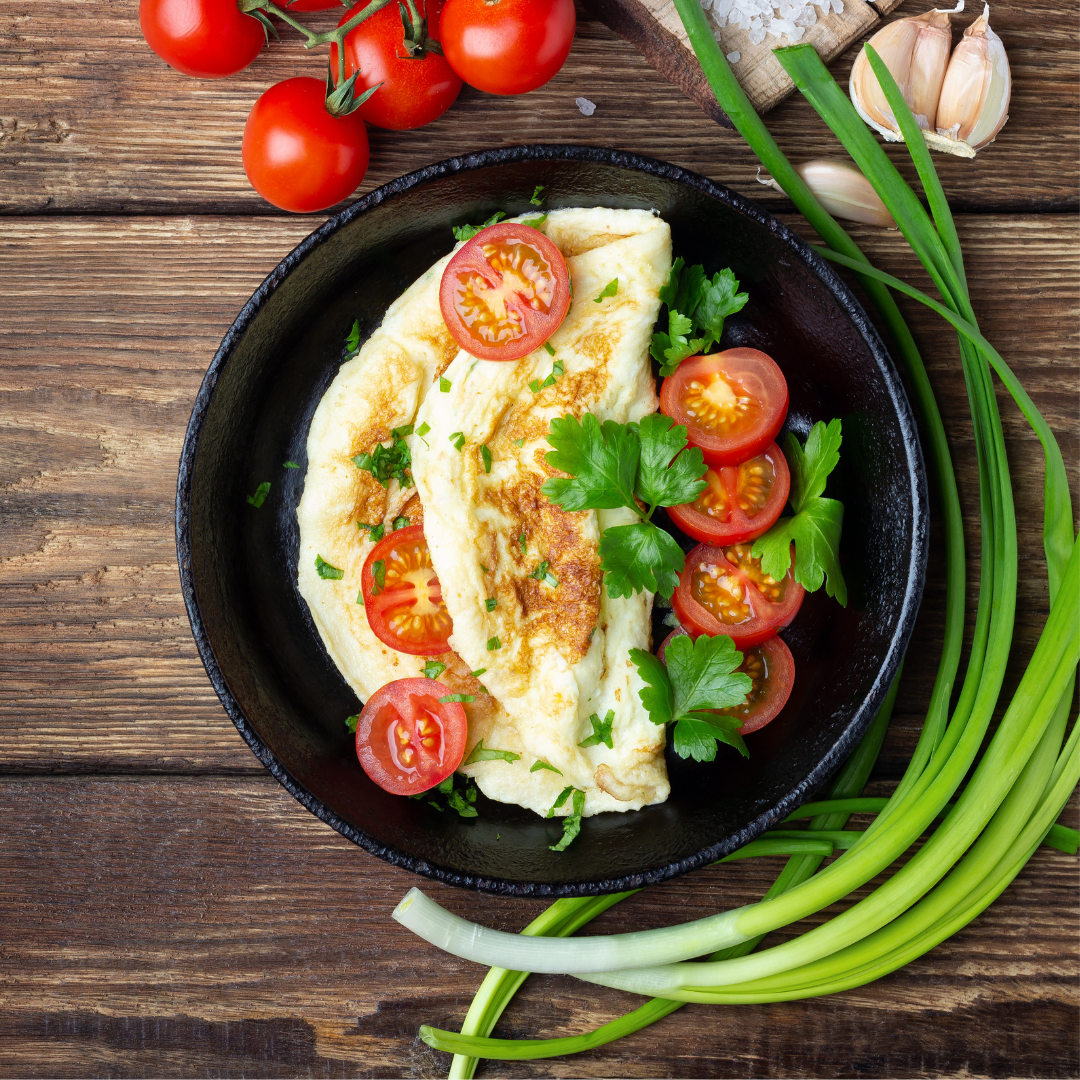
(771, 667)
(507, 46)
(505, 292)
(208, 39)
(416, 88)
(408, 740)
(741, 501)
(402, 595)
(723, 590)
(296, 155)
(733, 403)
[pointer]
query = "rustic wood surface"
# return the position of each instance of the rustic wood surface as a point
(166, 908)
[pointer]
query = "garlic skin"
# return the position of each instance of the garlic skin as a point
(916, 52)
(842, 189)
(975, 95)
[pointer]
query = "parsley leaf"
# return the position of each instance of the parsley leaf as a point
(352, 342)
(290, 465)
(815, 527)
(550, 350)
(665, 479)
(326, 571)
(671, 349)
(259, 497)
(433, 669)
(640, 556)
(456, 699)
(572, 823)
(602, 463)
(541, 573)
(467, 232)
(539, 764)
(720, 298)
(491, 603)
(479, 753)
(536, 200)
(399, 523)
(493, 644)
(535, 222)
(458, 439)
(423, 429)
(700, 676)
(610, 289)
(444, 384)
(351, 722)
(485, 456)
(378, 575)
(375, 531)
(391, 462)
(601, 731)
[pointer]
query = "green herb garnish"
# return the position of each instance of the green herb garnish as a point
(259, 497)
(541, 573)
(601, 731)
(351, 722)
(433, 669)
(610, 289)
(550, 349)
(391, 462)
(458, 439)
(375, 531)
(378, 575)
(491, 603)
(539, 764)
(485, 455)
(290, 465)
(467, 232)
(572, 823)
(445, 384)
(536, 200)
(479, 753)
(399, 523)
(456, 699)
(493, 644)
(326, 571)
(352, 342)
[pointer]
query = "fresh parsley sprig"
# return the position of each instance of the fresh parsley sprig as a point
(815, 526)
(393, 462)
(612, 465)
(467, 232)
(700, 676)
(697, 304)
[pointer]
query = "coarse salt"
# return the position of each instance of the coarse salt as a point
(586, 106)
(777, 18)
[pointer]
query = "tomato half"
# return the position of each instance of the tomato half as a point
(733, 403)
(296, 155)
(507, 46)
(741, 501)
(415, 89)
(408, 740)
(402, 595)
(723, 590)
(771, 667)
(207, 39)
(505, 292)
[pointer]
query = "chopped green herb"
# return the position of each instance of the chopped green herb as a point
(449, 699)
(433, 669)
(375, 531)
(535, 385)
(352, 342)
(524, 544)
(491, 603)
(467, 232)
(445, 384)
(399, 523)
(485, 454)
(536, 200)
(493, 644)
(360, 597)
(391, 462)
(519, 443)
(455, 801)
(572, 822)
(484, 568)
(259, 497)
(539, 764)
(478, 672)
(479, 753)
(351, 722)
(402, 432)
(290, 465)
(570, 281)
(535, 222)
(563, 796)
(458, 439)
(541, 573)
(601, 731)
(326, 571)
(378, 574)
(610, 289)
(423, 429)
(550, 348)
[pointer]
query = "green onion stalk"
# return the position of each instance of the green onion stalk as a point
(1009, 805)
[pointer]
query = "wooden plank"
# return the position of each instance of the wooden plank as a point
(92, 121)
(97, 666)
(170, 927)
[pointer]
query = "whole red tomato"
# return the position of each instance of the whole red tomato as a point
(418, 85)
(296, 155)
(208, 39)
(507, 46)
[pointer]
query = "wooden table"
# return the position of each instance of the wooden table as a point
(165, 907)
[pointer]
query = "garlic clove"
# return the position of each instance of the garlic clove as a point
(975, 95)
(842, 189)
(916, 52)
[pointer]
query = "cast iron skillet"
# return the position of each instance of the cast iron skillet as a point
(238, 564)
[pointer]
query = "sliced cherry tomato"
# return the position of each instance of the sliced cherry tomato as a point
(733, 403)
(416, 85)
(296, 155)
(723, 590)
(771, 667)
(408, 740)
(208, 39)
(741, 502)
(507, 46)
(402, 595)
(505, 292)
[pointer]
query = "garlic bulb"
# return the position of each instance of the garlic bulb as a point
(842, 189)
(975, 96)
(916, 52)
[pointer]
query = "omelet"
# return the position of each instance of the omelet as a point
(554, 654)
(521, 578)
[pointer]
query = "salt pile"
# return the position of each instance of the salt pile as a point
(780, 18)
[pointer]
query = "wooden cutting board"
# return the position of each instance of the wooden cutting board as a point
(654, 28)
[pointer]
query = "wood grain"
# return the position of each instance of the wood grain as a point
(92, 121)
(233, 934)
(95, 395)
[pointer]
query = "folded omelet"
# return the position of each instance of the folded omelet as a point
(554, 645)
